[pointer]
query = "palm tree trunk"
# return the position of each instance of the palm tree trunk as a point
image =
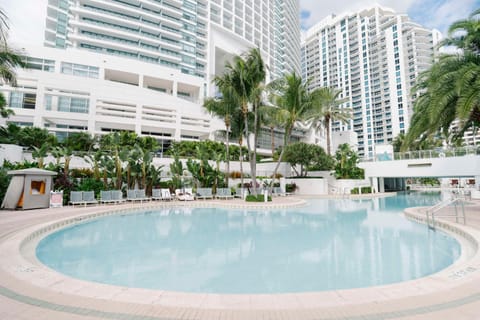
(253, 160)
(227, 160)
(327, 128)
(272, 137)
(250, 155)
(286, 141)
(240, 143)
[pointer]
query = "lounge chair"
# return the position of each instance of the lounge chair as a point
(105, 196)
(111, 196)
(166, 195)
(117, 196)
(184, 195)
(137, 195)
(224, 193)
(156, 194)
(204, 193)
(89, 197)
(76, 197)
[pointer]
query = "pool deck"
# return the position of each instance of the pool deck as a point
(29, 290)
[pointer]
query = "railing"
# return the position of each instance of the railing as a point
(437, 153)
(431, 212)
(426, 154)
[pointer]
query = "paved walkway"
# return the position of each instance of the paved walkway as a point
(31, 291)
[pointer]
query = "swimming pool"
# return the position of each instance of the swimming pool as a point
(327, 245)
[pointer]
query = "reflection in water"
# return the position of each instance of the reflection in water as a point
(331, 244)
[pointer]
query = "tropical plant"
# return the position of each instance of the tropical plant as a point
(223, 107)
(450, 90)
(290, 95)
(307, 156)
(327, 109)
(270, 117)
(80, 141)
(9, 61)
(346, 163)
(245, 76)
(40, 153)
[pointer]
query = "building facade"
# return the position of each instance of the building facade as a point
(193, 36)
(373, 56)
(145, 65)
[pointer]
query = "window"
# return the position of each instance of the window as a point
(79, 70)
(75, 105)
(22, 100)
(40, 64)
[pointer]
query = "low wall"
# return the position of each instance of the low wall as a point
(314, 186)
(344, 186)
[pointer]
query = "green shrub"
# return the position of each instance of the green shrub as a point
(4, 182)
(90, 184)
(258, 198)
(363, 189)
(290, 187)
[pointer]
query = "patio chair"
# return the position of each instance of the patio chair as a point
(184, 195)
(130, 195)
(105, 196)
(166, 195)
(224, 193)
(117, 196)
(141, 196)
(204, 193)
(156, 194)
(89, 197)
(76, 197)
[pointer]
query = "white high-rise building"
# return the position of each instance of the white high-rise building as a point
(189, 35)
(373, 56)
(145, 65)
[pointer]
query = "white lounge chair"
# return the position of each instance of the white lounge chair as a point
(184, 195)
(166, 195)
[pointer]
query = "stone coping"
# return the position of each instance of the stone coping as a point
(17, 253)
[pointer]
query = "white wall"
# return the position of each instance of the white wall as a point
(310, 186)
(466, 166)
(10, 152)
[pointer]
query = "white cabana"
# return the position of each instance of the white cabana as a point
(29, 189)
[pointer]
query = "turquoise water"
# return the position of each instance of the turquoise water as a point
(330, 244)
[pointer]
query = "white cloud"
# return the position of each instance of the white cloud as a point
(452, 10)
(26, 19)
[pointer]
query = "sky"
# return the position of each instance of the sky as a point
(27, 17)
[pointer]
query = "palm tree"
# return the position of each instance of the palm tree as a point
(290, 95)
(245, 76)
(465, 34)
(450, 90)
(223, 107)
(327, 108)
(9, 60)
(270, 117)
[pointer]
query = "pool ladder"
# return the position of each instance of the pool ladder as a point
(432, 211)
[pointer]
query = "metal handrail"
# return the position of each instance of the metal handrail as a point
(430, 212)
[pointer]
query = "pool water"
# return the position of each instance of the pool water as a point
(327, 245)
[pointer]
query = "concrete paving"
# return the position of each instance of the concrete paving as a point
(30, 290)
